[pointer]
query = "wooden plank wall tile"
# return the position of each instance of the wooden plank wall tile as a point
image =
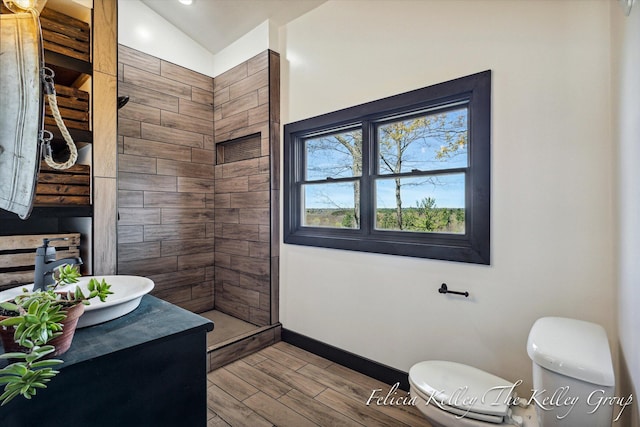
(192, 78)
(201, 96)
(144, 79)
(186, 247)
(195, 185)
(186, 215)
(195, 109)
(166, 177)
(136, 59)
(130, 233)
(141, 113)
(156, 199)
(128, 127)
(189, 169)
(202, 156)
(148, 97)
(153, 149)
(130, 199)
(144, 181)
(174, 136)
(168, 231)
(243, 276)
(142, 164)
(206, 235)
(137, 216)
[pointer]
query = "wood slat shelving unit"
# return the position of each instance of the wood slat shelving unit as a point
(63, 187)
(17, 255)
(65, 35)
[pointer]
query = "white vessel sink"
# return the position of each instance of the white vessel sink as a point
(127, 293)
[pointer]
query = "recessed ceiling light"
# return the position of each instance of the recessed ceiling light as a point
(187, 2)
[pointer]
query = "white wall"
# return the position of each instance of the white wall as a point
(552, 177)
(139, 27)
(626, 127)
(254, 42)
(142, 29)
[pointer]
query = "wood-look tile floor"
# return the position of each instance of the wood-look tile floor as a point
(283, 385)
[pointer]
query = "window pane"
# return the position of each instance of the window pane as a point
(337, 155)
(429, 142)
(422, 204)
(335, 205)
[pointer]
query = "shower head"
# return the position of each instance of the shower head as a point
(122, 101)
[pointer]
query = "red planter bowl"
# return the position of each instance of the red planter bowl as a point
(61, 342)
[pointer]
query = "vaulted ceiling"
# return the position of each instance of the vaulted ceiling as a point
(215, 24)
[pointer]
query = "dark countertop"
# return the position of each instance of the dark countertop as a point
(153, 319)
(147, 367)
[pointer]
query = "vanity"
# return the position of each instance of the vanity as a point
(147, 368)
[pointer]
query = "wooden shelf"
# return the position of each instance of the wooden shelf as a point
(66, 52)
(72, 64)
(78, 135)
(53, 212)
(69, 49)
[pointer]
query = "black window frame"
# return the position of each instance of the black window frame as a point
(472, 247)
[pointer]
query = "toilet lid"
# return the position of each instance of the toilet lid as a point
(451, 384)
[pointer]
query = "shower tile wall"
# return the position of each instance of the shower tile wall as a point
(246, 106)
(166, 178)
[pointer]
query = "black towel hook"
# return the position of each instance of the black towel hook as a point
(443, 290)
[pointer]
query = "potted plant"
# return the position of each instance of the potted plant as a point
(37, 325)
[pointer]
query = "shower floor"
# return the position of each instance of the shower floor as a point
(226, 328)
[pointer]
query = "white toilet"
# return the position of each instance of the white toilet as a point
(572, 369)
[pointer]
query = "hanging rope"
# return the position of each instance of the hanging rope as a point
(47, 75)
(50, 91)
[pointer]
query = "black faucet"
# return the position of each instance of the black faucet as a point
(46, 263)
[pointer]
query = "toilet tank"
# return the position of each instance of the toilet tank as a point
(573, 377)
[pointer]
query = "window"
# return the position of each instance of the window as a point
(404, 175)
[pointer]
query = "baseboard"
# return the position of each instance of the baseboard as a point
(352, 361)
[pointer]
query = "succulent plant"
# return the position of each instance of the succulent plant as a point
(37, 319)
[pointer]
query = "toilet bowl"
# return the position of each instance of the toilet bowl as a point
(571, 363)
(452, 394)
